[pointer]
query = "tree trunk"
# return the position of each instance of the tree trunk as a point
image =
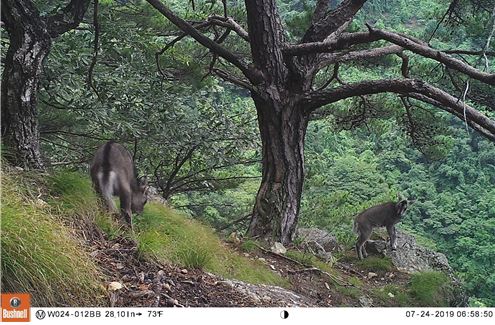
(20, 83)
(282, 127)
(29, 45)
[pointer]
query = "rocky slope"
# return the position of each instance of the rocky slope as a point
(132, 280)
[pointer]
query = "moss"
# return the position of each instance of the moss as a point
(40, 255)
(374, 264)
(431, 288)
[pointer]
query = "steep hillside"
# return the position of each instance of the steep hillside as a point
(58, 245)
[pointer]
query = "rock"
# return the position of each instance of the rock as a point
(159, 275)
(261, 259)
(183, 271)
(371, 275)
(114, 286)
(410, 257)
(378, 247)
(40, 203)
(234, 238)
(227, 283)
(272, 267)
(318, 239)
(365, 301)
(278, 248)
(266, 299)
(166, 286)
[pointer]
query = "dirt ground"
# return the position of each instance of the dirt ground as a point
(132, 280)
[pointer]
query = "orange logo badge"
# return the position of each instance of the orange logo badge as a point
(16, 307)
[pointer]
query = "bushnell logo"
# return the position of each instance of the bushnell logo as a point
(15, 302)
(16, 307)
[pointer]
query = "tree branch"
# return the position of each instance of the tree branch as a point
(345, 40)
(359, 55)
(232, 79)
(474, 126)
(426, 51)
(267, 37)
(205, 41)
(331, 22)
(66, 19)
(315, 100)
(409, 43)
(230, 23)
(321, 8)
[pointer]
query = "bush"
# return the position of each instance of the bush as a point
(431, 288)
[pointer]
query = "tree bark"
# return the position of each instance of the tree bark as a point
(282, 127)
(29, 45)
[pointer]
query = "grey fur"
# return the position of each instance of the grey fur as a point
(383, 215)
(113, 173)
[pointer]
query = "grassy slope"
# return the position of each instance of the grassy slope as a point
(172, 237)
(42, 252)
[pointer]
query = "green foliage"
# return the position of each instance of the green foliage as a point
(375, 263)
(431, 288)
(194, 258)
(40, 255)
